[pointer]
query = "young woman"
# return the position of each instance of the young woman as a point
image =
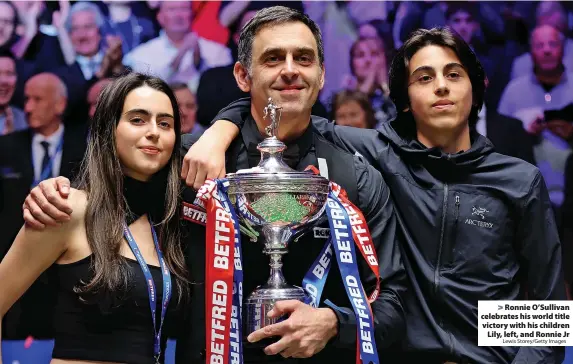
(120, 268)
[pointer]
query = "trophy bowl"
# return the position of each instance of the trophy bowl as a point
(275, 202)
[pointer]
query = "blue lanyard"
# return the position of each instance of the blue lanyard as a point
(48, 169)
(151, 285)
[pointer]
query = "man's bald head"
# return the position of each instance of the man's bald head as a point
(547, 48)
(46, 99)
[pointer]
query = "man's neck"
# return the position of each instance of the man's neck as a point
(290, 128)
(449, 141)
(176, 38)
(91, 55)
(549, 77)
(49, 130)
(119, 13)
(3, 108)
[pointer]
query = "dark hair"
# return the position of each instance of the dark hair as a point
(273, 16)
(7, 53)
(102, 179)
(361, 98)
(442, 37)
(176, 86)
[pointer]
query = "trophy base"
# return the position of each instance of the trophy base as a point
(263, 299)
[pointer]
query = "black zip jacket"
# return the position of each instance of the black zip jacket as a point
(478, 226)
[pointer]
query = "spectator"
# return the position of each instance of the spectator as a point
(352, 108)
(93, 94)
(46, 149)
(368, 64)
(177, 55)
(547, 86)
(8, 23)
(93, 61)
(188, 109)
(11, 118)
(548, 13)
(133, 30)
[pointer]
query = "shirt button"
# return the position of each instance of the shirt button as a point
(547, 98)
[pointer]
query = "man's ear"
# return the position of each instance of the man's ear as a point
(322, 74)
(242, 77)
(60, 105)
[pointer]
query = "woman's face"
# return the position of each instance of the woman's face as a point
(145, 135)
(350, 113)
(368, 58)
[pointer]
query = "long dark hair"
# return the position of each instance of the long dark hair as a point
(102, 179)
(442, 37)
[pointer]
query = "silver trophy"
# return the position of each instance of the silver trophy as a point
(274, 202)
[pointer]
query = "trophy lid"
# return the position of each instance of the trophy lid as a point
(272, 165)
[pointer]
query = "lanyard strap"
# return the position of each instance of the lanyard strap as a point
(341, 233)
(48, 168)
(151, 285)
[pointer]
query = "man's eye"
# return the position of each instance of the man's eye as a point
(272, 59)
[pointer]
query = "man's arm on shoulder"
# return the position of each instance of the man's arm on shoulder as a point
(540, 252)
(389, 318)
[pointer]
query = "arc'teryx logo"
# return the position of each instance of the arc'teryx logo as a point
(481, 212)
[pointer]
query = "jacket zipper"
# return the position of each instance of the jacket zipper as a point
(444, 212)
(457, 214)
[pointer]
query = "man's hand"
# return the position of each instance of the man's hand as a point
(112, 58)
(562, 128)
(47, 203)
(206, 158)
(303, 334)
(536, 127)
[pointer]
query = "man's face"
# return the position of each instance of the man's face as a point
(351, 113)
(175, 16)
(93, 95)
(285, 66)
(463, 24)
(188, 108)
(8, 80)
(7, 23)
(84, 33)
(44, 105)
(546, 49)
(439, 89)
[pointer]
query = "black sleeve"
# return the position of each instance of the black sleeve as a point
(389, 317)
(567, 233)
(354, 140)
(541, 257)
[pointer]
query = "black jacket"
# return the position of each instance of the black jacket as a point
(370, 194)
(478, 226)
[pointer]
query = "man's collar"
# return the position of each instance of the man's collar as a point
(250, 134)
(97, 58)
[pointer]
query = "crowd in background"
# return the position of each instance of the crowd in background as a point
(55, 58)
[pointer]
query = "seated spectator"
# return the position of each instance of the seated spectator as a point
(368, 64)
(546, 87)
(352, 108)
(11, 118)
(46, 149)
(177, 55)
(188, 108)
(548, 13)
(93, 94)
(133, 30)
(94, 58)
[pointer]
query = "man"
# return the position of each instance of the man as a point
(549, 88)
(44, 150)
(548, 13)
(281, 56)
(478, 224)
(94, 59)
(177, 55)
(93, 94)
(188, 109)
(11, 118)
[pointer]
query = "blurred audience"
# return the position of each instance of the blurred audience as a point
(353, 108)
(178, 54)
(11, 118)
(93, 94)
(188, 109)
(133, 30)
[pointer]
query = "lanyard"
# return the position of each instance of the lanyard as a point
(151, 285)
(48, 169)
